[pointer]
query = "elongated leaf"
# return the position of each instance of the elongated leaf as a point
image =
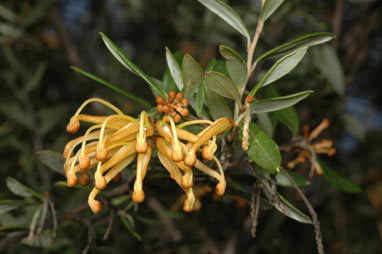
(222, 85)
(168, 83)
(269, 7)
(175, 70)
(33, 224)
(265, 123)
(117, 53)
(284, 181)
(229, 53)
(141, 101)
(200, 97)
(120, 200)
(53, 160)
(303, 41)
(326, 60)
(217, 105)
(36, 78)
(128, 222)
(17, 202)
(337, 180)
(8, 207)
(192, 75)
(17, 188)
(211, 65)
(14, 111)
(262, 149)
(287, 116)
(278, 103)
(283, 66)
(291, 211)
(278, 201)
(236, 66)
(227, 14)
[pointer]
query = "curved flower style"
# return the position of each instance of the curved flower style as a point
(113, 142)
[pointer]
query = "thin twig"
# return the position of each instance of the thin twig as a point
(90, 238)
(54, 219)
(316, 223)
(255, 205)
(109, 225)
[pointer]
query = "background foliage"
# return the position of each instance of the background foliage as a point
(41, 39)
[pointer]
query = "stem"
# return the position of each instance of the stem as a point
(316, 223)
(251, 46)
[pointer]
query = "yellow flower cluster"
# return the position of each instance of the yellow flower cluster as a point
(114, 141)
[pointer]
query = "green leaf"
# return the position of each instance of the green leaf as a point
(192, 75)
(269, 8)
(33, 224)
(283, 180)
(36, 78)
(326, 60)
(141, 101)
(8, 207)
(303, 41)
(265, 123)
(278, 103)
(65, 184)
(128, 222)
(20, 189)
(283, 66)
(53, 160)
(291, 211)
(121, 199)
(278, 201)
(226, 13)
(289, 118)
(17, 202)
(229, 53)
(200, 97)
(50, 117)
(236, 66)
(262, 149)
(117, 53)
(14, 111)
(175, 70)
(217, 105)
(222, 85)
(337, 180)
(279, 69)
(211, 65)
(168, 83)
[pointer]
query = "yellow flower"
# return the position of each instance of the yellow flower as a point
(113, 142)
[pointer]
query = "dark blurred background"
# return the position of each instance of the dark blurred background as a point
(40, 40)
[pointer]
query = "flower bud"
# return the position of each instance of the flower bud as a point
(220, 188)
(95, 205)
(101, 153)
(160, 100)
(138, 196)
(84, 179)
(73, 125)
(84, 161)
(72, 179)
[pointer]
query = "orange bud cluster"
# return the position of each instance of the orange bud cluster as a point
(175, 106)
